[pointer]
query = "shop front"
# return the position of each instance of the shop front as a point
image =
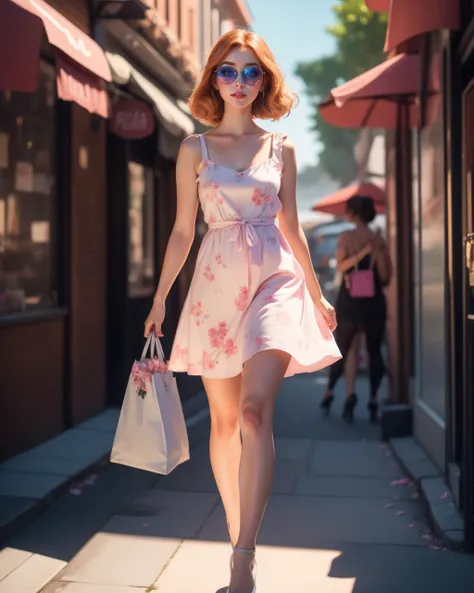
(53, 105)
(148, 123)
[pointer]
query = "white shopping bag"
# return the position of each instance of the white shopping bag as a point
(151, 432)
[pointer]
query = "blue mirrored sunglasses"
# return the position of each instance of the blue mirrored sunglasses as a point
(251, 75)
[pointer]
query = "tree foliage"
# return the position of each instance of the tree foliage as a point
(359, 34)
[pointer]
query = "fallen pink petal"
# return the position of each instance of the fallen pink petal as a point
(399, 513)
(411, 525)
(445, 496)
(427, 537)
(415, 495)
(389, 505)
(75, 491)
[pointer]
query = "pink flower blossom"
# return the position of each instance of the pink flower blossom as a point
(242, 300)
(230, 349)
(207, 361)
(198, 313)
(220, 261)
(179, 353)
(258, 196)
(212, 218)
(208, 275)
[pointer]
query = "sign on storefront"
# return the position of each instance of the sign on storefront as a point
(132, 119)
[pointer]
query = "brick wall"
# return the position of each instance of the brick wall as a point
(77, 11)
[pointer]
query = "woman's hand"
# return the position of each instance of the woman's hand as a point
(155, 319)
(328, 312)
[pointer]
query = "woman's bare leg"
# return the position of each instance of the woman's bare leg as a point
(225, 445)
(260, 383)
(352, 364)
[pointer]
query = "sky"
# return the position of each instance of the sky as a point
(295, 32)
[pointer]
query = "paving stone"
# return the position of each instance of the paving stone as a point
(292, 449)
(14, 511)
(32, 575)
(302, 522)
(120, 559)
(57, 587)
(11, 559)
(414, 459)
(162, 513)
(352, 487)
(435, 491)
(29, 485)
(446, 517)
(107, 421)
(280, 570)
(360, 459)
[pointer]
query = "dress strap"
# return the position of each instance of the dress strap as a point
(204, 153)
(277, 146)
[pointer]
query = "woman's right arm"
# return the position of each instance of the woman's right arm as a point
(345, 262)
(182, 235)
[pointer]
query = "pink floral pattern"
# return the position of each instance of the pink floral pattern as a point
(242, 300)
(220, 261)
(239, 304)
(261, 196)
(208, 275)
(198, 313)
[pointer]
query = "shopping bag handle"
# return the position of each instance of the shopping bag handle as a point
(154, 344)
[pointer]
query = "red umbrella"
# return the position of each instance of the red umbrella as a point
(336, 203)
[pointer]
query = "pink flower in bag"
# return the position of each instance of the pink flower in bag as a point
(143, 371)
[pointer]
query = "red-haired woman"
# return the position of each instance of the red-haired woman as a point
(254, 312)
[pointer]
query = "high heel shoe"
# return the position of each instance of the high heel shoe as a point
(326, 403)
(349, 406)
(254, 565)
(373, 407)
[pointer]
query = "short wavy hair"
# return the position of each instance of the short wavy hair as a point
(274, 103)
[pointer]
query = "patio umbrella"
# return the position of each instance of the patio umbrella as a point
(336, 203)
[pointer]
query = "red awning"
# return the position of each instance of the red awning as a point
(336, 203)
(76, 84)
(408, 18)
(22, 23)
(378, 5)
(373, 98)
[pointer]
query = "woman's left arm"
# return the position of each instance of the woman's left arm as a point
(291, 228)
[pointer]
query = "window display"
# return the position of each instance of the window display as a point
(141, 221)
(27, 197)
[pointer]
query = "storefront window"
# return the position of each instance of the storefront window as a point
(27, 197)
(431, 260)
(141, 222)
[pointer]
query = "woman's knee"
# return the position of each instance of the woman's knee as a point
(224, 424)
(255, 416)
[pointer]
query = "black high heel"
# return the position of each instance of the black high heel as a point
(373, 407)
(349, 406)
(326, 403)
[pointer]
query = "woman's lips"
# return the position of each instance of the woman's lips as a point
(238, 95)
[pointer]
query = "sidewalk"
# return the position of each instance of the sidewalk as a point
(342, 519)
(30, 481)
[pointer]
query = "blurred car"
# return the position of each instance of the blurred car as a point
(322, 242)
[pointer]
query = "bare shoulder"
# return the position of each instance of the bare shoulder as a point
(288, 150)
(190, 151)
(344, 237)
(191, 145)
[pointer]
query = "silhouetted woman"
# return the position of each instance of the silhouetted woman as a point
(363, 259)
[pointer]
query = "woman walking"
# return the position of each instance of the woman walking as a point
(254, 312)
(363, 259)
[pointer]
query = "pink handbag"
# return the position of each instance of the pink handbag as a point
(362, 284)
